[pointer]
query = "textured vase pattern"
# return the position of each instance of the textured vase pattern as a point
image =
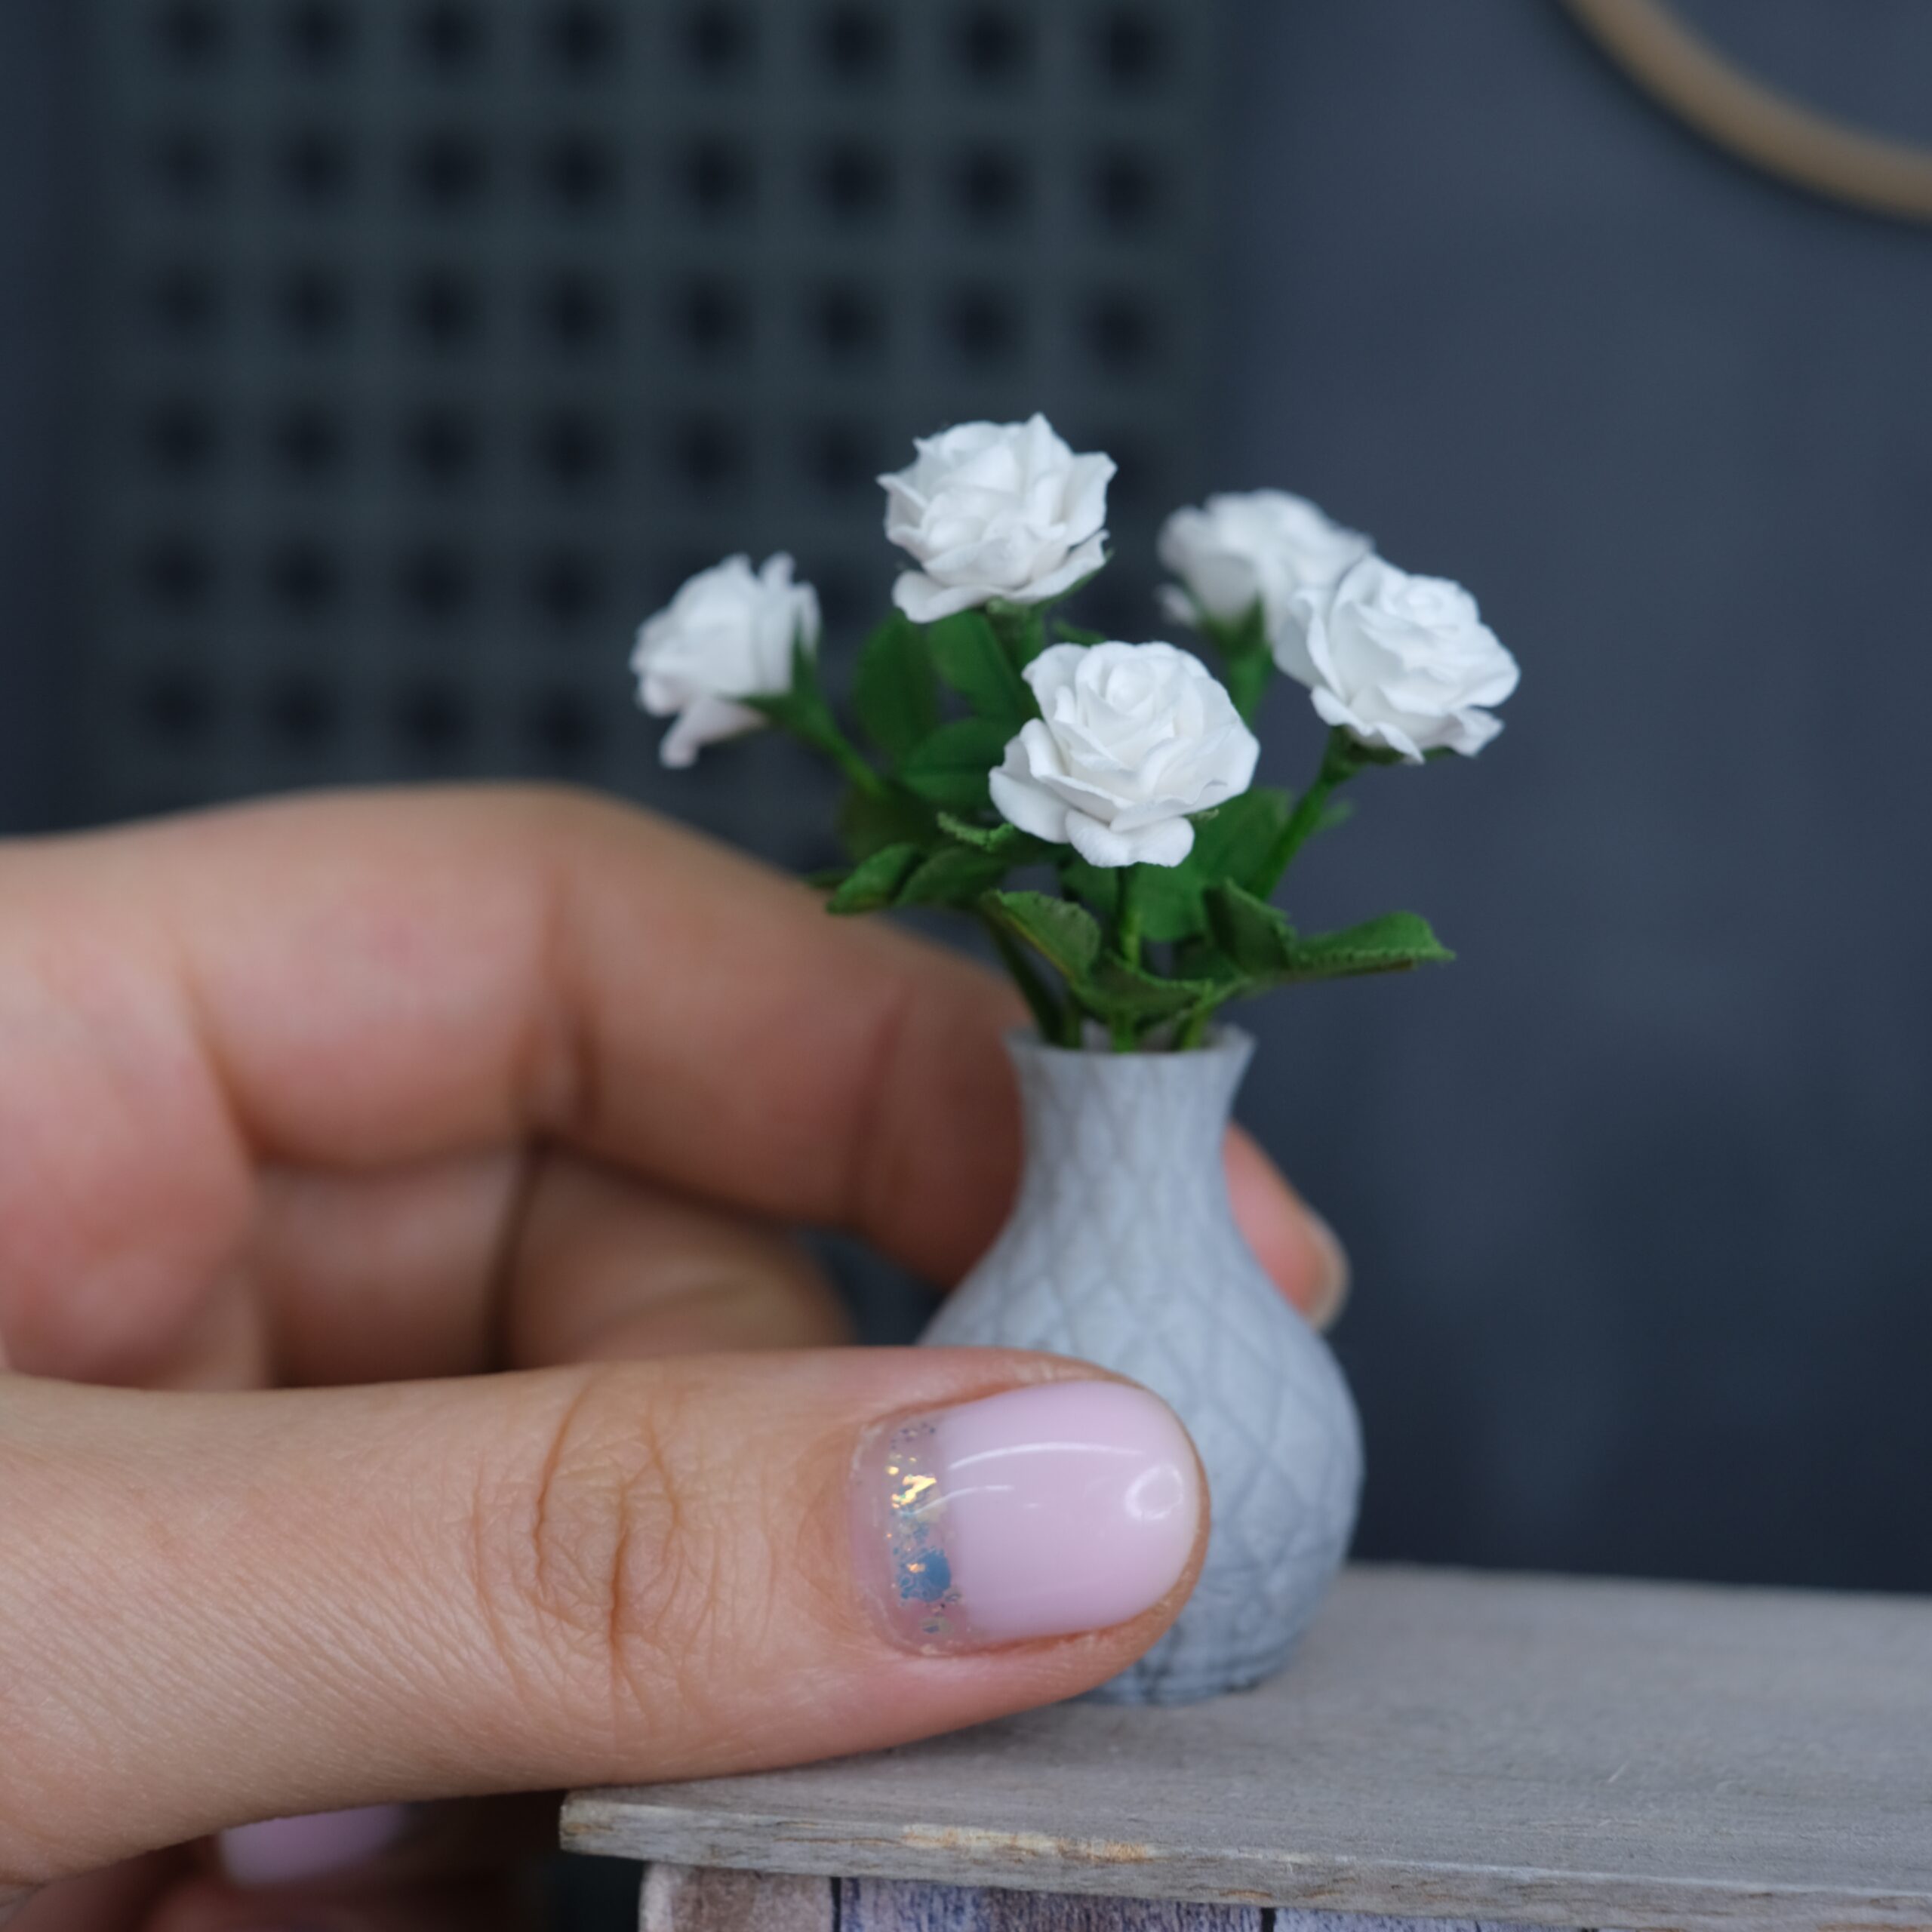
(1123, 1250)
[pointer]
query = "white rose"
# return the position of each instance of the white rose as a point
(1402, 661)
(1266, 547)
(995, 509)
(727, 635)
(1132, 737)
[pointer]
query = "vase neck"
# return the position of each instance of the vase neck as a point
(1151, 1121)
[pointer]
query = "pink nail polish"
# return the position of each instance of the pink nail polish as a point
(283, 1851)
(1069, 1507)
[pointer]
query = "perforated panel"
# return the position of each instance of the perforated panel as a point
(440, 341)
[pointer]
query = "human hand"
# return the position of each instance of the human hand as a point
(314, 1115)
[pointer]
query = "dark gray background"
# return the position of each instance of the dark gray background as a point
(1637, 1191)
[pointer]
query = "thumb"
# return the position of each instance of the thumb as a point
(220, 1608)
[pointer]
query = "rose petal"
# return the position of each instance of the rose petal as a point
(1085, 497)
(706, 720)
(1031, 807)
(1473, 730)
(1164, 844)
(1174, 602)
(997, 510)
(1091, 556)
(925, 602)
(1369, 731)
(1097, 844)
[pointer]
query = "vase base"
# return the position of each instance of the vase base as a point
(1159, 1680)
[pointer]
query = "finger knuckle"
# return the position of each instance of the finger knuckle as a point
(605, 1568)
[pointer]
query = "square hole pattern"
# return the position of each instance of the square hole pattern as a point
(437, 339)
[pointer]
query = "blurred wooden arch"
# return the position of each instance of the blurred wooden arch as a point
(1758, 122)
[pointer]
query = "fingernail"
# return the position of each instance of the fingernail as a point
(1335, 1276)
(1069, 1507)
(282, 1851)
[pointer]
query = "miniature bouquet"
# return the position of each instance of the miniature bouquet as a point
(1091, 801)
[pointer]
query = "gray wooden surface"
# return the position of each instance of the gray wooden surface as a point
(1446, 1746)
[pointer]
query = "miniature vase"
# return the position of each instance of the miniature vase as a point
(1122, 1249)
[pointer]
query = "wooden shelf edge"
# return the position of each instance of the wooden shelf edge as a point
(626, 1824)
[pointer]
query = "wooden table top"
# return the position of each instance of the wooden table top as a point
(1560, 1752)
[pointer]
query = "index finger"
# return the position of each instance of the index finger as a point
(375, 978)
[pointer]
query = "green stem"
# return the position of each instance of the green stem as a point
(1340, 761)
(1058, 1026)
(1192, 1029)
(852, 761)
(1021, 629)
(803, 711)
(1247, 661)
(1130, 915)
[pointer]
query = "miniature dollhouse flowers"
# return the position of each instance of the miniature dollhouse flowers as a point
(1131, 739)
(1257, 547)
(1400, 665)
(728, 634)
(1399, 662)
(1090, 803)
(995, 510)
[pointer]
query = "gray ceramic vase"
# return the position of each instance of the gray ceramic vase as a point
(1122, 1250)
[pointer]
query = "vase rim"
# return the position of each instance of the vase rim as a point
(1222, 1041)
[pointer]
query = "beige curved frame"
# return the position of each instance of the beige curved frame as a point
(1778, 133)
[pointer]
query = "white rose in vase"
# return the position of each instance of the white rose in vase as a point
(1132, 738)
(1402, 662)
(727, 635)
(1261, 547)
(995, 510)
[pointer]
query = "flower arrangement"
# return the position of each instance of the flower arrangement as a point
(1004, 741)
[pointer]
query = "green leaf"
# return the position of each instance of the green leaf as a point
(955, 876)
(1066, 633)
(1007, 842)
(1394, 943)
(870, 821)
(967, 654)
(1098, 885)
(1066, 936)
(1167, 899)
(1257, 940)
(801, 714)
(1201, 959)
(1001, 837)
(1261, 946)
(1235, 843)
(1231, 842)
(1116, 989)
(874, 882)
(895, 693)
(1059, 1025)
(950, 767)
